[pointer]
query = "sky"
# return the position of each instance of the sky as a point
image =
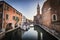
(27, 7)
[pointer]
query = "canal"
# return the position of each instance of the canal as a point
(34, 33)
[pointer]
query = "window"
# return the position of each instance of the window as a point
(0, 15)
(17, 12)
(13, 17)
(1, 7)
(0, 26)
(6, 16)
(21, 14)
(6, 7)
(54, 17)
(13, 10)
(17, 19)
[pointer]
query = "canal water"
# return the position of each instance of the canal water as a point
(31, 34)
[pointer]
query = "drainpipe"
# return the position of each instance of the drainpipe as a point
(3, 20)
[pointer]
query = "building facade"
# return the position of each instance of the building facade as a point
(51, 14)
(37, 18)
(23, 22)
(9, 16)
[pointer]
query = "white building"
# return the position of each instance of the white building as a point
(23, 22)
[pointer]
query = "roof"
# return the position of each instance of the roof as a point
(10, 6)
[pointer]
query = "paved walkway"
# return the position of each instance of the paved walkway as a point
(53, 32)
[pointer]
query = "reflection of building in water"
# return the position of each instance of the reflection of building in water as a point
(37, 18)
(31, 34)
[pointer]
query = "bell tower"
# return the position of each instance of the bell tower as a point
(37, 18)
(38, 9)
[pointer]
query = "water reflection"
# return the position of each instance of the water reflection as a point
(31, 34)
(41, 35)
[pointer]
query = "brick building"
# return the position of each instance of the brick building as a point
(37, 18)
(51, 14)
(9, 16)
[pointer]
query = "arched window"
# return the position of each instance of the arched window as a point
(54, 17)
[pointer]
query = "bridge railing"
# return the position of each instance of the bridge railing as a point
(53, 32)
